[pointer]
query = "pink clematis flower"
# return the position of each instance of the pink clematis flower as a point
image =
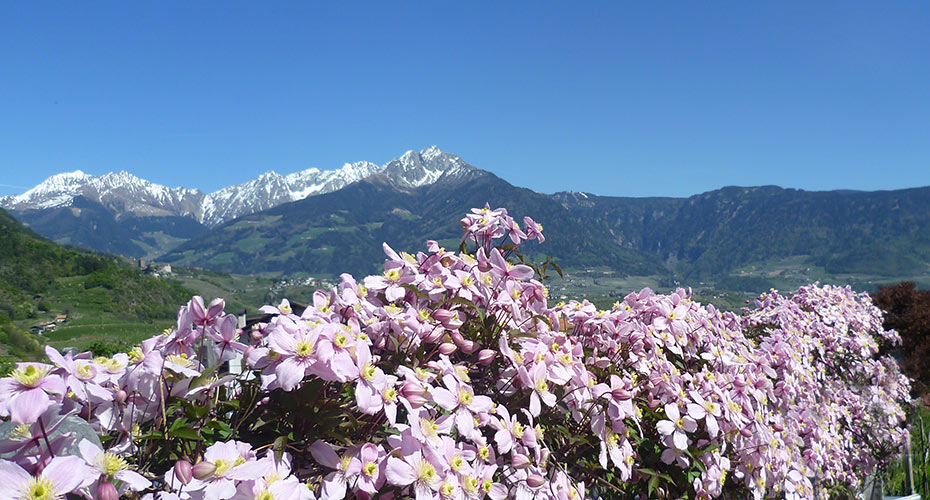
(536, 379)
(62, 475)
(371, 382)
(347, 470)
(29, 391)
(112, 466)
(460, 399)
(414, 470)
(676, 426)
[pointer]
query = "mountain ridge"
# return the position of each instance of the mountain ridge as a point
(710, 236)
(126, 193)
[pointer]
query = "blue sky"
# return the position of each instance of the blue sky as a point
(615, 98)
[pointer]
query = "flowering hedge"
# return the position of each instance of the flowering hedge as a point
(450, 376)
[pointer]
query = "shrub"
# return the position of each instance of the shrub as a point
(449, 376)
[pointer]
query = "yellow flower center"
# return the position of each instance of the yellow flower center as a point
(465, 397)
(223, 466)
(392, 275)
(390, 394)
(470, 485)
(21, 433)
(429, 427)
(486, 485)
(427, 472)
(456, 462)
(135, 355)
(180, 360)
(340, 340)
(264, 495)
(110, 463)
(447, 489)
(39, 488)
(285, 308)
(542, 386)
(368, 372)
(303, 349)
(484, 452)
(85, 371)
(29, 376)
(370, 468)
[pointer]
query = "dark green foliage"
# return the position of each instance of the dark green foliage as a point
(19, 344)
(907, 310)
(109, 347)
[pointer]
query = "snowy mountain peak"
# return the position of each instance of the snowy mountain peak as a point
(431, 152)
(414, 169)
(125, 192)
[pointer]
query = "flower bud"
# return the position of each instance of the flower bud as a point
(485, 356)
(621, 394)
(120, 396)
(203, 470)
(457, 338)
(521, 461)
(535, 481)
(745, 432)
(416, 401)
(257, 335)
(447, 348)
(411, 389)
(443, 315)
(434, 336)
(469, 346)
(106, 491)
(183, 471)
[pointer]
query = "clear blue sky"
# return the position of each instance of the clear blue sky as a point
(615, 98)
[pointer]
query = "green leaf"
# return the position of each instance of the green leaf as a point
(177, 424)
(186, 433)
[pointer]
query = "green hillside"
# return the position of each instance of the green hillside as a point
(104, 298)
(342, 231)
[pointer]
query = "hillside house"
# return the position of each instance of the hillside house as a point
(41, 328)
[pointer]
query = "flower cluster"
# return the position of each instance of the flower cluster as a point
(450, 377)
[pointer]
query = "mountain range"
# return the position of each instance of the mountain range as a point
(332, 221)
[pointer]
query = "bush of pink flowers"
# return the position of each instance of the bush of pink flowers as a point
(450, 376)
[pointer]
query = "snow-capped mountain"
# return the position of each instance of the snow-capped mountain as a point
(128, 194)
(120, 191)
(272, 189)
